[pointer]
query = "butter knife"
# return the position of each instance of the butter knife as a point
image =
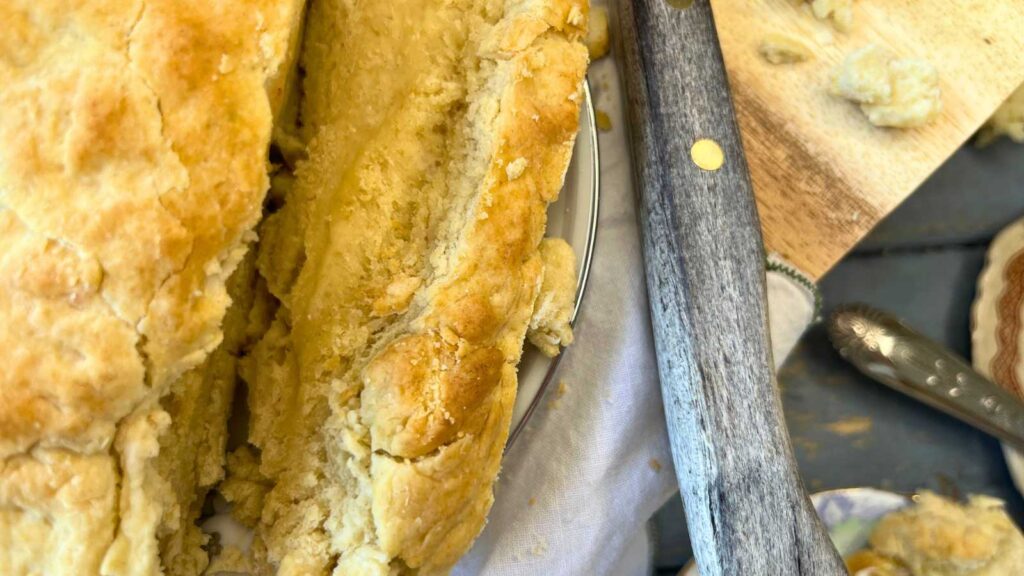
(886, 349)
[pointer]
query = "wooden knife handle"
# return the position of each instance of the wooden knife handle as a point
(746, 507)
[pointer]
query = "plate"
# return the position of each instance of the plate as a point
(997, 324)
(572, 217)
(849, 515)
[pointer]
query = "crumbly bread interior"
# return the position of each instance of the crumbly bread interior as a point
(937, 537)
(405, 267)
(550, 327)
(133, 167)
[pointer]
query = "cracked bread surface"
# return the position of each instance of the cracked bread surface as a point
(133, 147)
(406, 263)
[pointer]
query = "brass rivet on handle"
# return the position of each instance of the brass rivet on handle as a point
(680, 4)
(707, 154)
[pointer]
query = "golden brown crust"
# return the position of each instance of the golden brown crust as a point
(407, 265)
(147, 123)
(133, 146)
(429, 510)
(118, 116)
(73, 499)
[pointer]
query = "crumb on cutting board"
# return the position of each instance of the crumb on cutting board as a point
(778, 48)
(655, 464)
(824, 37)
(532, 501)
(603, 121)
(892, 92)
(1008, 120)
(840, 12)
(597, 33)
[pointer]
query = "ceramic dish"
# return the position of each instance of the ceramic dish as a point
(997, 324)
(574, 218)
(849, 514)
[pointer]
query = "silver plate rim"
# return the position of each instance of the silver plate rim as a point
(588, 131)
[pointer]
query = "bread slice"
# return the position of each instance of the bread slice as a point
(133, 168)
(406, 264)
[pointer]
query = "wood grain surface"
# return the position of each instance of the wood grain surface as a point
(746, 508)
(823, 176)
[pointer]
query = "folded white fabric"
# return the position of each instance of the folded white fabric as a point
(593, 464)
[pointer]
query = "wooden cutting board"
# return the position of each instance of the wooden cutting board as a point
(822, 174)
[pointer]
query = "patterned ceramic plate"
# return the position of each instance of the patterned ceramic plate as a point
(997, 319)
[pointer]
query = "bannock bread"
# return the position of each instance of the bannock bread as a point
(133, 168)
(938, 537)
(405, 265)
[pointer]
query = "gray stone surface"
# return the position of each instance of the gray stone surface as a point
(970, 198)
(922, 264)
(905, 446)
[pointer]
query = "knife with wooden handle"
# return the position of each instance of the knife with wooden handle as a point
(746, 508)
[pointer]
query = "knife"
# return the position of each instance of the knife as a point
(746, 508)
(889, 351)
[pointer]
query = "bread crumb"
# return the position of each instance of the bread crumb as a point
(540, 547)
(864, 76)
(892, 92)
(783, 49)
(839, 11)
(531, 502)
(603, 121)
(1008, 121)
(597, 33)
(655, 464)
(850, 426)
(515, 168)
(576, 17)
(562, 388)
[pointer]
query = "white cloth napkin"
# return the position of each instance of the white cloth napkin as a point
(593, 464)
